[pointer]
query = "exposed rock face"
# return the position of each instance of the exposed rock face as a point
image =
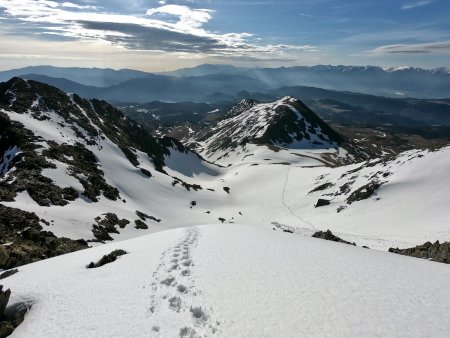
(437, 252)
(109, 258)
(364, 192)
(23, 241)
(143, 216)
(140, 224)
(8, 273)
(107, 225)
(6, 327)
(328, 235)
(322, 202)
(82, 164)
(4, 298)
(9, 321)
(28, 164)
(321, 187)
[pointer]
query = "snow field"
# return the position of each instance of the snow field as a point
(233, 281)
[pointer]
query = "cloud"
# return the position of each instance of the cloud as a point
(422, 48)
(137, 37)
(416, 4)
(72, 5)
(171, 28)
(187, 17)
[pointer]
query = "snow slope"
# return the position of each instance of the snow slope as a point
(149, 195)
(233, 281)
(409, 208)
(272, 189)
(156, 196)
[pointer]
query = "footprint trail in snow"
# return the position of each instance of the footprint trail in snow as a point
(283, 201)
(176, 304)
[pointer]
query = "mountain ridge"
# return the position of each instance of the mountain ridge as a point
(392, 82)
(284, 124)
(63, 155)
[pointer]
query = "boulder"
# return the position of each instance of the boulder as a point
(106, 259)
(321, 202)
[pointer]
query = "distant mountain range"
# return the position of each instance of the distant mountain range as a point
(99, 77)
(203, 83)
(223, 91)
(159, 88)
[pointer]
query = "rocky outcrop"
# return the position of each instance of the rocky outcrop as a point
(143, 216)
(322, 202)
(4, 298)
(328, 236)
(82, 165)
(109, 258)
(140, 224)
(107, 225)
(364, 192)
(23, 240)
(8, 273)
(437, 252)
(8, 322)
(6, 327)
(321, 187)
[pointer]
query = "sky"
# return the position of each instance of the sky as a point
(159, 35)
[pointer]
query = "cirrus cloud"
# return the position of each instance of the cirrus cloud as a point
(419, 48)
(416, 4)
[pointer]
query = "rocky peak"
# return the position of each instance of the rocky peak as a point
(286, 123)
(239, 108)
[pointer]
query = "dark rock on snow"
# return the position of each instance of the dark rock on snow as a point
(107, 225)
(140, 224)
(437, 252)
(364, 192)
(8, 273)
(109, 258)
(322, 202)
(328, 235)
(23, 241)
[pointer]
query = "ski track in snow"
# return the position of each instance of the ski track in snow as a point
(286, 180)
(175, 295)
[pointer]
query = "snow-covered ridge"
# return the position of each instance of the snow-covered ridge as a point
(81, 160)
(439, 70)
(283, 124)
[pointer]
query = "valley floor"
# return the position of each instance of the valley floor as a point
(411, 206)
